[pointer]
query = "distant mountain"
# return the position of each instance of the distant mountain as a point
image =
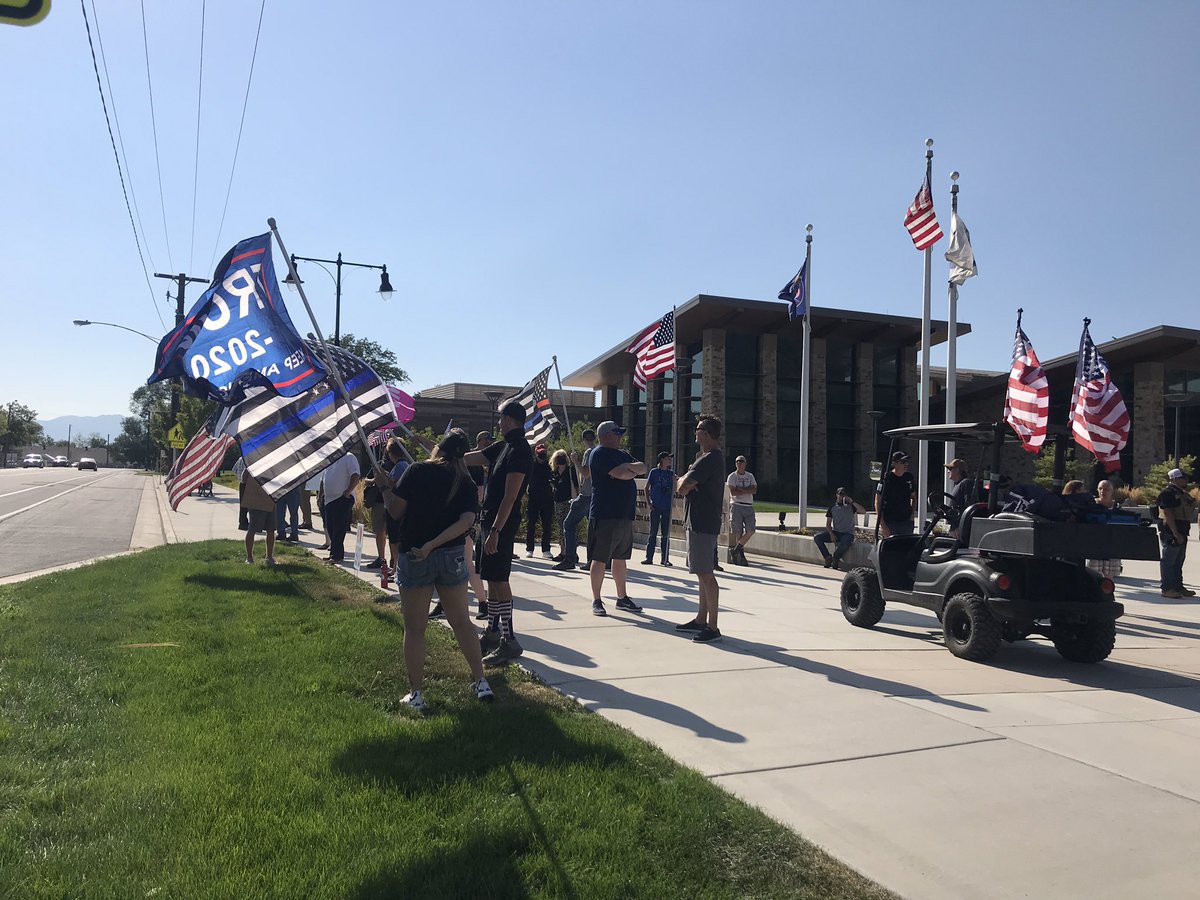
(56, 428)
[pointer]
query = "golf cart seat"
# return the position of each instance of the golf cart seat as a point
(964, 523)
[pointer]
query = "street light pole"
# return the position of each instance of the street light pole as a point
(81, 322)
(385, 286)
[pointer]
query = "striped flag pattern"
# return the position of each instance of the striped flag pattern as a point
(287, 440)
(921, 221)
(540, 420)
(654, 349)
(197, 464)
(1027, 403)
(1099, 420)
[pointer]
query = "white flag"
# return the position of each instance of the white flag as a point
(960, 255)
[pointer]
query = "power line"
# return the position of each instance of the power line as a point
(117, 157)
(238, 144)
(120, 138)
(154, 128)
(196, 168)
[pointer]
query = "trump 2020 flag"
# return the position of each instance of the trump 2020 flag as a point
(239, 330)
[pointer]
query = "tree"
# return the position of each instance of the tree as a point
(1073, 468)
(382, 360)
(153, 402)
(1156, 478)
(18, 427)
(132, 444)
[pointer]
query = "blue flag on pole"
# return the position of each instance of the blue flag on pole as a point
(239, 330)
(793, 293)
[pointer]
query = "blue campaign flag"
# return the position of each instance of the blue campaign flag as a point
(793, 293)
(239, 330)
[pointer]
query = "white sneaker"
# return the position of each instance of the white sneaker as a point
(528, 554)
(546, 554)
(414, 700)
(483, 691)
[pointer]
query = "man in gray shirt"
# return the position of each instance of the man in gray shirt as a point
(579, 506)
(839, 528)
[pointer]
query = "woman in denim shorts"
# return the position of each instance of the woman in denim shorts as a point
(435, 503)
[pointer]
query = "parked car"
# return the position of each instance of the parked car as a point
(33, 460)
(86, 462)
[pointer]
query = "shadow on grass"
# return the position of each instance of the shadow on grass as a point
(484, 866)
(468, 745)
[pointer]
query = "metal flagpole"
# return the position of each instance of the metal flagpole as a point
(566, 414)
(805, 375)
(923, 446)
(328, 357)
(952, 343)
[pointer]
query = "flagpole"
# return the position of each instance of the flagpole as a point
(952, 341)
(328, 357)
(566, 414)
(805, 374)
(926, 337)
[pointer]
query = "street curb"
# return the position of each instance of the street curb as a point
(164, 512)
(25, 576)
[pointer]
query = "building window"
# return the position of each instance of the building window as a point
(841, 413)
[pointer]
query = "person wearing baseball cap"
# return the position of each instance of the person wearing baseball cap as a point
(610, 520)
(1176, 507)
(896, 498)
(962, 494)
(660, 490)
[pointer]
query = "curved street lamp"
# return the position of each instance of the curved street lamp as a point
(385, 285)
(152, 340)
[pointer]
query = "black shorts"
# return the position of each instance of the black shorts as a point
(496, 566)
(610, 539)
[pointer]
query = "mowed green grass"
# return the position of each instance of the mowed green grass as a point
(257, 748)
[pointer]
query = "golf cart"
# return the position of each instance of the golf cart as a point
(1003, 576)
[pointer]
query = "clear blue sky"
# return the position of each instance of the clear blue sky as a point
(546, 177)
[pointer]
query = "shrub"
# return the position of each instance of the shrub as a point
(1156, 478)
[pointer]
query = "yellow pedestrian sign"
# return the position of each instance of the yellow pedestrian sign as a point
(175, 437)
(23, 12)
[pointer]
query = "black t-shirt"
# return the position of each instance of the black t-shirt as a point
(478, 475)
(539, 480)
(1175, 499)
(702, 507)
(897, 491)
(431, 506)
(612, 498)
(513, 455)
(962, 495)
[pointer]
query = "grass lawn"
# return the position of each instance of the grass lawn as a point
(178, 724)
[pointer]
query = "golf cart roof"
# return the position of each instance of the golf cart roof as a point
(969, 432)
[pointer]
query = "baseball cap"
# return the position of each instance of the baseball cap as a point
(899, 456)
(740, 459)
(959, 464)
(609, 428)
(665, 454)
(514, 411)
(484, 436)
(1176, 473)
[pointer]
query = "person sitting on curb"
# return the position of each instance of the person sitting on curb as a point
(839, 528)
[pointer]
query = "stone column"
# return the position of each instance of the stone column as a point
(912, 386)
(768, 410)
(713, 388)
(818, 408)
(1147, 427)
(627, 410)
(864, 399)
(654, 395)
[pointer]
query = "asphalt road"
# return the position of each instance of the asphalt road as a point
(49, 517)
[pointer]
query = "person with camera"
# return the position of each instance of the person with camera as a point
(1176, 508)
(435, 503)
(839, 528)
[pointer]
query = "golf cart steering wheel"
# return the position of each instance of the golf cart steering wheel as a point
(940, 502)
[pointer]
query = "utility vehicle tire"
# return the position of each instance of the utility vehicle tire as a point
(969, 628)
(862, 604)
(1085, 643)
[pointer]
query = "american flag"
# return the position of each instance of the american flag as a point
(921, 221)
(540, 420)
(1099, 420)
(198, 463)
(1027, 403)
(654, 349)
(287, 440)
(794, 293)
(381, 436)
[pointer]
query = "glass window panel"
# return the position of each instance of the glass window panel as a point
(741, 410)
(741, 387)
(741, 353)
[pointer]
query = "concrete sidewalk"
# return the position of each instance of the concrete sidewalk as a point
(1025, 777)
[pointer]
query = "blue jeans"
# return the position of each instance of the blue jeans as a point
(660, 519)
(579, 511)
(845, 539)
(289, 503)
(1171, 565)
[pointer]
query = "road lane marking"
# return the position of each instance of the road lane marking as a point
(38, 487)
(17, 512)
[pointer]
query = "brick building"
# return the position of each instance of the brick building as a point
(472, 406)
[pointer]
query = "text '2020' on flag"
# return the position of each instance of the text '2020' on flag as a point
(239, 330)
(1027, 402)
(921, 221)
(654, 349)
(794, 293)
(1099, 419)
(287, 440)
(540, 420)
(198, 463)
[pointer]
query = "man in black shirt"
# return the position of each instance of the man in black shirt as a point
(1175, 505)
(895, 498)
(509, 463)
(703, 487)
(962, 494)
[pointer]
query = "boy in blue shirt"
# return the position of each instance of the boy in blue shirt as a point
(660, 489)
